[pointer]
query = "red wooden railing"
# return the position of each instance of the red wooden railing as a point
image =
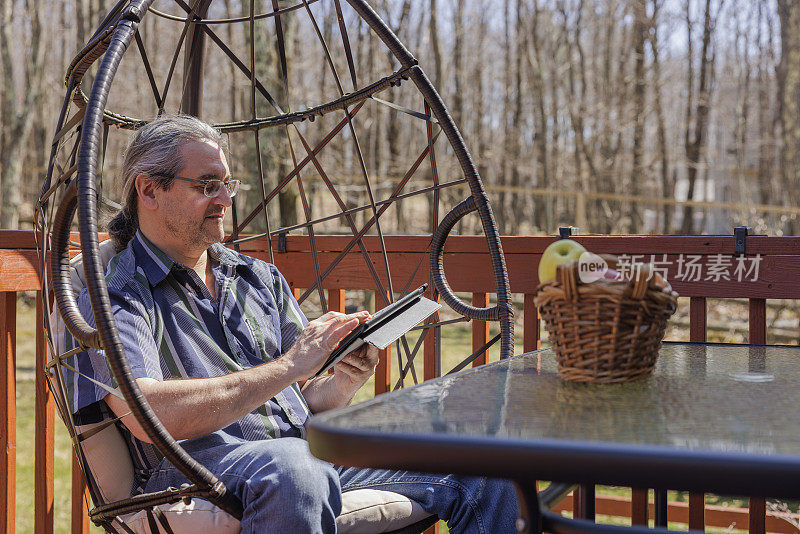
(468, 270)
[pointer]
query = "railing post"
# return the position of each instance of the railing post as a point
(480, 329)
(758, 515)
(697, 511)
(335, 303)
(660, 507)
(80, 517)
(758, 322)
(383, 372)
(697, 319)
(45, 426)
(530, 326)
(431, 362)
(336, 300)
(758, 336)
(8, 411)
(697, 334)
(640, 505)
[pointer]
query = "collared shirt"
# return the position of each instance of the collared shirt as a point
(171, 326)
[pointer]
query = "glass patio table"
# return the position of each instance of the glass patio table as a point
(715, 418)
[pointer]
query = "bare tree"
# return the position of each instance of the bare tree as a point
(586, 97)
(741, 56)
(789, 97)
(667, 182)
(16, 111)
(433, 28)
(697, 109)
(767, 115)
(506, 129)
(533, 55)
(640, 33)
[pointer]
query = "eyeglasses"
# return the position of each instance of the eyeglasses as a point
(212, 188)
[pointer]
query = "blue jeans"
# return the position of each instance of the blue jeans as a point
(284, 488)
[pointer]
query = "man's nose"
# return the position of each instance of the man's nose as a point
(223, 197)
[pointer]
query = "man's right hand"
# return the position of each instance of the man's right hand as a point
(317, 341)
(227, 398)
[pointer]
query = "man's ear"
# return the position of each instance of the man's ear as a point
(146, 190)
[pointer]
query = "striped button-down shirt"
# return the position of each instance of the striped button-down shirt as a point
(171, 326)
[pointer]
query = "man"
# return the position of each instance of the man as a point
(225, 357)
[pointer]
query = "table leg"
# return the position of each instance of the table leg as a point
(530, 513)
(585, 508)
(660, 505)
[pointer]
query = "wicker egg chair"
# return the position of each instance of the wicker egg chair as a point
(256, 95)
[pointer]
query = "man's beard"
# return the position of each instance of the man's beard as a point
(204, 231)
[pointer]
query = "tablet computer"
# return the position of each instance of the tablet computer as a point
(385, 326)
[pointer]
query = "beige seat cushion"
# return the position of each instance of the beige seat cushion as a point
(364, 511)
(109, 461)
(197, 517)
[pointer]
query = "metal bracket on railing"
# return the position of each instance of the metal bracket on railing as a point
(740, 234)
(565, 232)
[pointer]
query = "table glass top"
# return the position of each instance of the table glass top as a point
(701, 397)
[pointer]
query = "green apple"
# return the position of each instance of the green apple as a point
(555, 254)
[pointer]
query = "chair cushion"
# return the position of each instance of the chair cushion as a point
(109, 461)
(369, 511)
(78, 277)
(196, 517)
(364, 511)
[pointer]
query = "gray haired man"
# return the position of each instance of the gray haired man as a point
(226, 358)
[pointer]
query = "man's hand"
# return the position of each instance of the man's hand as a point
(227, 398)
(336, 390)
(317, 341)
(355, 369)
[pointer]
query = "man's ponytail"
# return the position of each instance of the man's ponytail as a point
(123, 227)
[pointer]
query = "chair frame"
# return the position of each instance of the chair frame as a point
(80, 196)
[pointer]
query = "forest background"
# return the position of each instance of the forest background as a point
(618, 116)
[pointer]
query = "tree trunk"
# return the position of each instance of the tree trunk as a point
(507, 132)
(541, 135)
(640, 31)
(458, 64)
(742, 110)
(696, 140)
(17, 120)
(393, 132)
(515, 154)
(289, 196)
(433, 28)
(480, 132)
(766, 114)
(587, 174)
(789, 94)
(667, 179)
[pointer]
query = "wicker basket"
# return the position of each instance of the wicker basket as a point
(606, 331)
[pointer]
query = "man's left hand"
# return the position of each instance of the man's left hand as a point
(356, 368)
